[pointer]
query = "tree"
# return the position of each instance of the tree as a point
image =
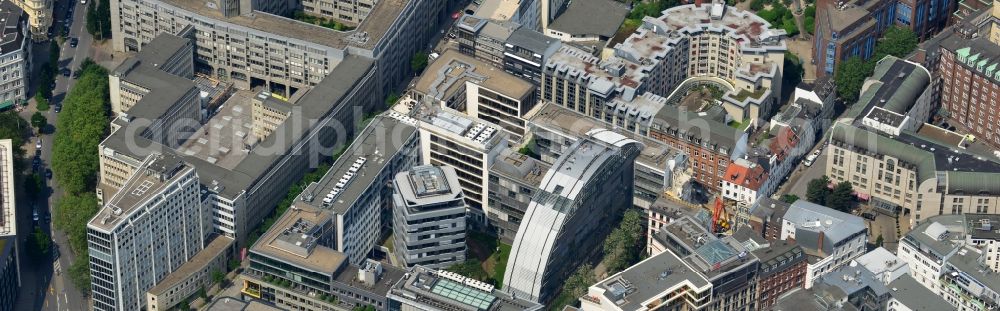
(82, 125)
(850, 76)
(817, 190)
(418, 62)
(896, 41)
(623, 246)
(789, 198)
(79, 272)
(34, 186)
(879, 240)
(40, 244)
(38, 120)
(41, 103)
(470, 268)
(574, 287)
(218, 277)
(99, 19)
(841, 198)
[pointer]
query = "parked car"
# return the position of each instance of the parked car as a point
(58, 108)
(38, 144)
(65, 72)
(73, 42)
(809, 160)
(34, 214)
(48, 174)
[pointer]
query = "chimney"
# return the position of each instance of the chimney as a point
(697, 3)
(819, 243)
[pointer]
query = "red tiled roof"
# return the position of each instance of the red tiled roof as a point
(747, 177)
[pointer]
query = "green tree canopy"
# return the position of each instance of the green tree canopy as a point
(817, 190)
(623, 246)
(789, 198)
(38, 120)
(896, 41)
(841, 198)
(850, 76)
(418, 62)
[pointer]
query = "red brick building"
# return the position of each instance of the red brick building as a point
(970, 86)
(782, 268)
(709, 143)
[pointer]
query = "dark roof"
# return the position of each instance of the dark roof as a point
(916, 297)
(896, 86)
(11, 18)
(532, 40)
(698, 127)
(591, 17)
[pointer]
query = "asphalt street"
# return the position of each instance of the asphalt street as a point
(45, 285)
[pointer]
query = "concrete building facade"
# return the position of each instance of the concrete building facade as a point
(514, 180)
(39, 17)
(10, 262)
(429, 217)
(149, 229)
(833, 238)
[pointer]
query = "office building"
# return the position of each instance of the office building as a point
(357, 189)
(697, 270)
(896, 98)
(831, 237)
(169, 60)
(197, 274)
(688, 45)
(147, 230)
(428, 217)
(450, 138)
(15, 55)
(846, 29)
(514, 180)
(483, 38)
(969, 82)
(667, 209)
(526, 52)
(925, 173)
(424, 288)
(481, 91)
(234, 164)
(10, 263)
(659, 168)
(586, 187)
(39, 17)
(250, 44)
(292, 266)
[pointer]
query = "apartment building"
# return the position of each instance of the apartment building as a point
(782, 269)
(10, 263)
(292, 266)
(424, 288)
(658, 169)
(943, 257)
(428, 217)
(146, 231)
(697, 270)
(450, 138)
(250, 44)
(688, 45)
(15, 55)
(586, 187)
(909, 295)
(970, 84)
(357, 189)
(742, 180)
(514, 180)
(710, 143)
(831, 237)
(578, 24)
(39, 17)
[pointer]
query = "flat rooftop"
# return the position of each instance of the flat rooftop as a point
(236, 304)
(428, 184)
(447, 74)
(360, 164)
(520, 167)
(451, 291)
(373, 27)
(447, 120)
(915, 296)
(571, 123)
(204, 257)
(983, 226)
(967, 261)
(152, 178)
(390, 275)
(498, 10)
(221, 140)
(12, 35)
(288, 237)
(701, 250)
(649, 279)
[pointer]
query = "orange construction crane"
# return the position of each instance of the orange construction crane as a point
(720, 219)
